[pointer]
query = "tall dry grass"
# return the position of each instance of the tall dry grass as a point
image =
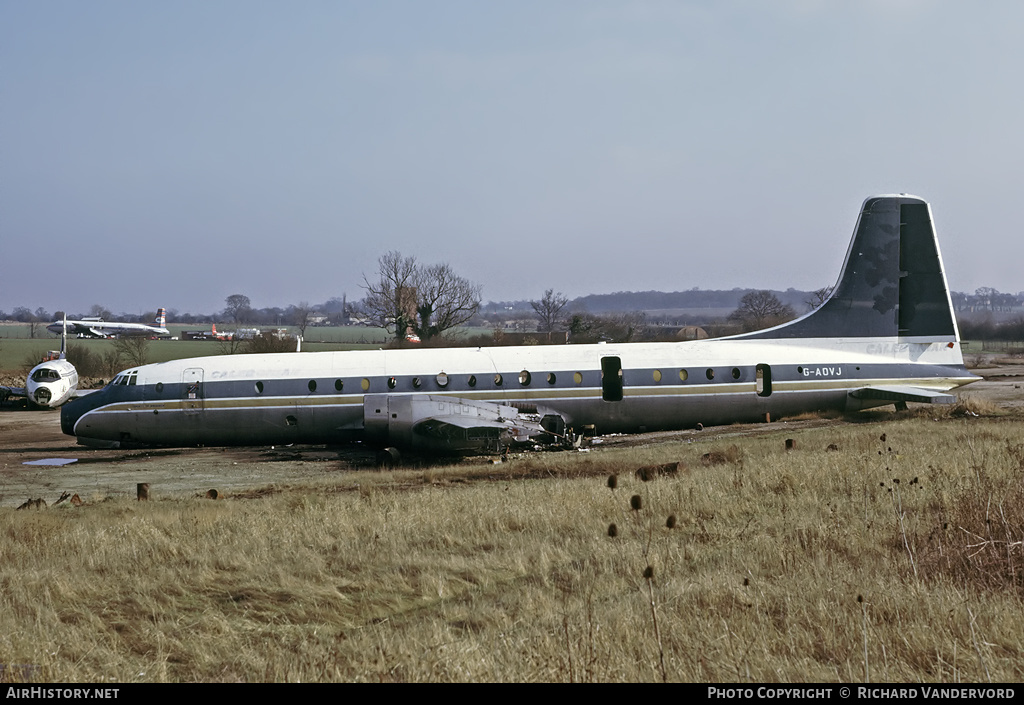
(895, 559)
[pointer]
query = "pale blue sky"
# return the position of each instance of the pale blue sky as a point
(173, 153)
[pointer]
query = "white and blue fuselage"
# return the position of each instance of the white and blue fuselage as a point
(886, 335)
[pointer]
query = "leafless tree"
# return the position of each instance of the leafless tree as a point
(300, 314)
(237, 307)
(100, 312)
(387, 303)
(818, 297)
(625, 327)
(232, 345)
(269, 343)
(444, 300)
(548, 309)
(409, 297)
(760, 309)
(133, 349)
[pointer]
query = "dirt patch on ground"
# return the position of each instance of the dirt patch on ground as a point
(27, 436)
(1002, 383)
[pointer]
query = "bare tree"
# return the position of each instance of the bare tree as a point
(818, 297)
(300, 316)
(760, 309)
(238, 307)
(548, 309)
(231, 345)
(408, 297)
(133, 349)
(625, 327)
(387, 303)
(444, 300)
(100, 312)
(269, 343)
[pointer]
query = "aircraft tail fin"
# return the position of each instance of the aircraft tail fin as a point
(64, 338)
(161, 318)
(892, 284)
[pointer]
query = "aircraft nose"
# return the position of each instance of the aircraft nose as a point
(68, 417)
(70, 413)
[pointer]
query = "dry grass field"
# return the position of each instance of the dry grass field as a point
(886, 549)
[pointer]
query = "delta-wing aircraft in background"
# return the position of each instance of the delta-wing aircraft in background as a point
(98, 328)
(886, 335)
(50, 383)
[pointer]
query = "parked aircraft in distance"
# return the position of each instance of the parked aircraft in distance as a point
(211, 334)
(98, 328)
(885, 335)
(50, 383)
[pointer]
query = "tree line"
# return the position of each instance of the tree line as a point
(418, 302)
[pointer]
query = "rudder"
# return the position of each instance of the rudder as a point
(892, 283)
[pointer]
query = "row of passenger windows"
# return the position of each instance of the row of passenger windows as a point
(525, 378)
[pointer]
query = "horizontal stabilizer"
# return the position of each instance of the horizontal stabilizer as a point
(918, 394)
(449, 423)
(519, 430)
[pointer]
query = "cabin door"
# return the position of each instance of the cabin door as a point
(763, 378)
(192, 390)
(611, 379)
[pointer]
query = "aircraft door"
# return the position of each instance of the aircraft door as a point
(611, 379)
(192, 393)
(763, 383)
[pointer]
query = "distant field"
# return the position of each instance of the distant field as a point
(17, 349)
(977, 346)
(333, 334)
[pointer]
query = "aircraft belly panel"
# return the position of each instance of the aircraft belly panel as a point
(238, 425)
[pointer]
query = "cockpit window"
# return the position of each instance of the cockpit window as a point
(126, 378)
(45, 375)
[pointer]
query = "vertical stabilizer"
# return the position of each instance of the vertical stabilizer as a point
(64, 338)
(161, 318)
(892, 283)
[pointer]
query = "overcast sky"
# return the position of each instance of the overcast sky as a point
(173, 153)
